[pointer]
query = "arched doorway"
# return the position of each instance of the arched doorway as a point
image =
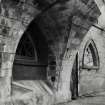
(74, 79)
(31, 59)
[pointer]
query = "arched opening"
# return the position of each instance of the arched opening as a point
(74, 79)
(26, 48)
(90, 56)
(26, 65)
(31, 59)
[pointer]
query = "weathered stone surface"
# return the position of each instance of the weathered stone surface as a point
(64, 25)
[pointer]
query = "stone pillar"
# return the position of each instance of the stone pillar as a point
(64, 93)
(6, 74)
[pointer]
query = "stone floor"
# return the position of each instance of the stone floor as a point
(87, 100)
(26, 93)
(30, 93)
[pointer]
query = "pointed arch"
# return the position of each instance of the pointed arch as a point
(26, 48)
(90, 56)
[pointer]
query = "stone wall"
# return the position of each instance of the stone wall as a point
(90, 82)
(94, 81)
(14, 18)
(62, 23)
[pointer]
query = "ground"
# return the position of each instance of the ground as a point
(88, 100)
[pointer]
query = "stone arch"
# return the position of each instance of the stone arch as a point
(10, 43)
(8, 53)
(26, 47)
(90, 51)
(41, 63)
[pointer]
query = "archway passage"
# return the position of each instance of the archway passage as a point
(74, 79)
(31, 57)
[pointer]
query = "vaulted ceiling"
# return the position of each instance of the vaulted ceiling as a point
(56, 18)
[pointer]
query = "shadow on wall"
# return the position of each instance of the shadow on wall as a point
(74, 79)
